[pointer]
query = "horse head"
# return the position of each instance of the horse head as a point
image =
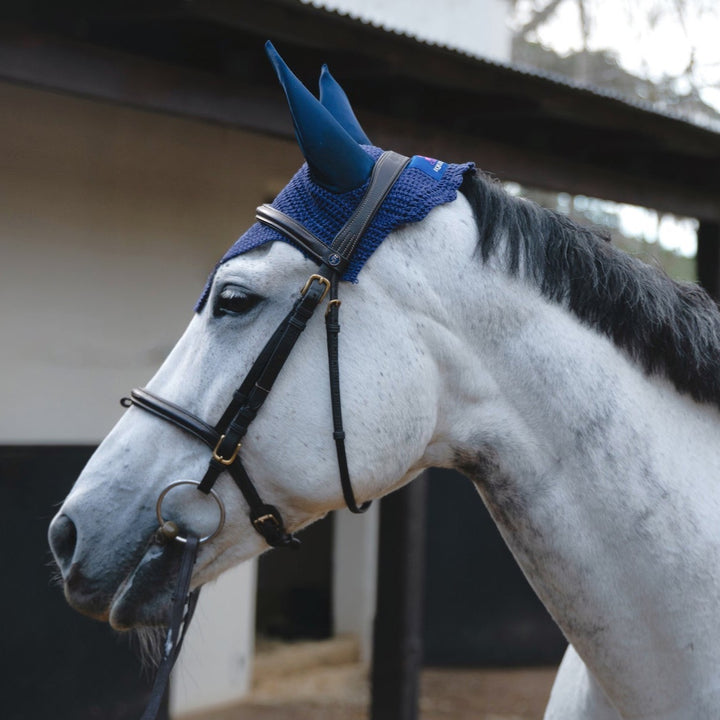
(104, 538)
(577, 387)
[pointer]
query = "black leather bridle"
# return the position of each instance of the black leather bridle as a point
(225, 437)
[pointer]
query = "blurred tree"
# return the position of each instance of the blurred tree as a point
(679, 91)
(606, 217)
(600, 66)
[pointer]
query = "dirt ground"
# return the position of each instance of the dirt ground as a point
(330, 684)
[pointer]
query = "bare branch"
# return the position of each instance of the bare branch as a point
(539, 17)
(584, 23)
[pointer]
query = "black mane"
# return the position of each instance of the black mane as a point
(669, 328)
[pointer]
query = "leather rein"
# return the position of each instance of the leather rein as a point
(225, 437)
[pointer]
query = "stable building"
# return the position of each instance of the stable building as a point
(137, 140)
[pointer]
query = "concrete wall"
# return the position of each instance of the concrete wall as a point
(110, 219)
(354, 587)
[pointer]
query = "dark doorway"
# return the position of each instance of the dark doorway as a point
(479, 608)
(55, 663)
(294, 590)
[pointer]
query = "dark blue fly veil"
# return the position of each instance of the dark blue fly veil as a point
(338, 208)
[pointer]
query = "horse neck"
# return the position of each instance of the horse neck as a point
(604, 483)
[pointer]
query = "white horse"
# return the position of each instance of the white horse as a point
(578, 389)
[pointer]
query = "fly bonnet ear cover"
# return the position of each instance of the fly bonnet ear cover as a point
(339, 158)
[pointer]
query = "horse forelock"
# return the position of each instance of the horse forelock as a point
(667, 327)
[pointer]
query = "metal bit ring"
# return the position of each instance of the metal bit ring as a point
(213, 494)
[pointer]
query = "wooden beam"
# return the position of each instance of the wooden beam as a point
(708, 257)
(535, 169)
(99, 73)
(89, 71)
(397, 642)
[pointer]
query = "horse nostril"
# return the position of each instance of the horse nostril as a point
(63, 539)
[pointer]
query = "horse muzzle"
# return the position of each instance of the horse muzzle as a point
(130, 586)
(83, 593)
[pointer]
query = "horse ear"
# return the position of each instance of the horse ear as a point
(335, 159)
(333, 97)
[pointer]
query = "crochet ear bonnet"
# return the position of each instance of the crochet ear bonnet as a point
(339, 159)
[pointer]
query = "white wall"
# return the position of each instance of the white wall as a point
(110, 219)
(475, 26)
(215, 665)
(355, 555)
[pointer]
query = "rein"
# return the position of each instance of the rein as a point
(225, 437)
(183, 608)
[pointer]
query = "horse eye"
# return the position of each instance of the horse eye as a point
(235, 301)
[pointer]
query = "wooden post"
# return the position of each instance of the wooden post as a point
(397, 645)
(708, 257)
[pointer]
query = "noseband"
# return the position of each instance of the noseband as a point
(225, 437)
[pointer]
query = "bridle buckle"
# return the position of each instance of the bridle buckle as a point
(268, 516)
(222, 460)
(337, 303)
(320, 279)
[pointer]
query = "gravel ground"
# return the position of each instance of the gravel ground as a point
(342, 693)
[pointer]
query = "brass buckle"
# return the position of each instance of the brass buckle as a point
(220, 458)
(320, 279)
(269, 516)
(330, 304)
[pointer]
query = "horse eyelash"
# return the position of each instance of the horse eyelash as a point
(230, 293)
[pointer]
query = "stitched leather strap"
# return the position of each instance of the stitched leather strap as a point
(183, 608)
(271, 527)
(173, 413)
(332, 330)
(278, 220)
(385, 172)
(339, 253)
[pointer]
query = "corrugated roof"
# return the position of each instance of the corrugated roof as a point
(205, 59)
(525, 70)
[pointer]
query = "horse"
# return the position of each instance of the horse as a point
(578, 389)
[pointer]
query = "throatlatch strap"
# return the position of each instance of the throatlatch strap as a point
(332, 328)
(334, 260)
